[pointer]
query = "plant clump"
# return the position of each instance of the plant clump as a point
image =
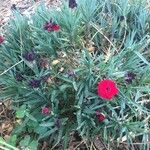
(84, 69)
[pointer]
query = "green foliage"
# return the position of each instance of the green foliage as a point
(5, 146)
(97, 40)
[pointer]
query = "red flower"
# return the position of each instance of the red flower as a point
(1, 39)
(107, 89)
(45, 110)
(55, 27)
(100, 116)
(51, 26)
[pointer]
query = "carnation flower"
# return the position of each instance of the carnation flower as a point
(45, 110)
(107, 89)
(71, 73)
(19, 77)
(1, 39)
(51, 26)
(55, 27)
(72, 4)
(129, 77)
(46, 78)
(29, 56)
(48, 26)
(121, 18)
(100, 116)
(35, 83)
(13, 7)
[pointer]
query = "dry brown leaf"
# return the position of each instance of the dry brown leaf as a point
(91, 49)
(55, 62)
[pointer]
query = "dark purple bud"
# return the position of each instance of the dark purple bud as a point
(121, 18)
(29, 56)
(58, 123)
(13, 7)
(48, 25)
(19, 77)
(35, 83)
(45, 77)
(72, 4)
(51, 26)
(129, 77)
(71, 74)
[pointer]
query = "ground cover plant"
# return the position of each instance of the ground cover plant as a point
(81, 69)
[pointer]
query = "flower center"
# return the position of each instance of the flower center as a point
(108, 89)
